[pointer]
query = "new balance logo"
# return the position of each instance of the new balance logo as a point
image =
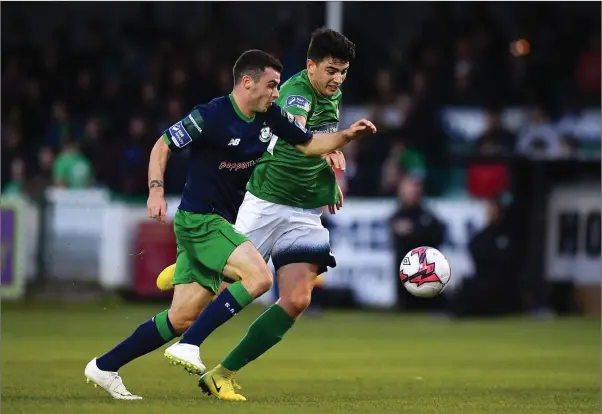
(234, 142)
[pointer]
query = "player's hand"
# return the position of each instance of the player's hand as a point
(336, 159)
(157, 206)
(333, 208)
(360, 129)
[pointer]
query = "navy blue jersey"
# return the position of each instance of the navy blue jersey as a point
(225, 147)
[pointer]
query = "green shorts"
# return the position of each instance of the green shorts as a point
(205, 242)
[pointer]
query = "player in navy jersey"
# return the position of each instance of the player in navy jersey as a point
(226, 137)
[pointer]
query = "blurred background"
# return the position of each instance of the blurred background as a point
(488, 145)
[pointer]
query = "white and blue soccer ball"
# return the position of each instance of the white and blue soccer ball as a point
(424, 272)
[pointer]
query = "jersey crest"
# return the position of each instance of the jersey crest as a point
(265, 134)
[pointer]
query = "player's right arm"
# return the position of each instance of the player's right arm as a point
(177, 137)
(297, 99)
(156, 204)
(286, 126)
(321, 144)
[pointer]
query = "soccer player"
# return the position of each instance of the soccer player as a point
(227, 137)
(281, 210)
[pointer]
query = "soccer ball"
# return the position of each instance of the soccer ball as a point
(424, 272)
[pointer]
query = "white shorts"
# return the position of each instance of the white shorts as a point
(284, 233)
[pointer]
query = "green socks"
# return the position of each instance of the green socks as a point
(238, 292)
(264, 333)
(164, 326)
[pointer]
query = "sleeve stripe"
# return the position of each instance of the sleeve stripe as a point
(195, 124)
(197, 120)
(167, 140)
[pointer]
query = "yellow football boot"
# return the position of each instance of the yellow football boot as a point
(220, 383)
(165, 278)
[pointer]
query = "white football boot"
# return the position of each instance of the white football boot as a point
(186, 355)
(109, 381)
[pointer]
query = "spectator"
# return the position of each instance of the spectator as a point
(86, 95)
(539, 138)
(496, 139)
(34, 106)
(16, 184)
(149, 101)
(71, 169)
(493, 290)
(588, 70)
(423, 132)
(569, 146)
(42, 177)
(465, 71)
(13, 80)
(100, 150)
(12, 148)
(134, 153)
(402, 162)
(491, 176)
(60, 127)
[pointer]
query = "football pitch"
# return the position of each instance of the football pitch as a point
(343, 362)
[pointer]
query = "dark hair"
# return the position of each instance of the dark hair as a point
(326, 42)
(253, 63)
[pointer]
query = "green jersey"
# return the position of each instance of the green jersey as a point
(73, 170)
(284, 175)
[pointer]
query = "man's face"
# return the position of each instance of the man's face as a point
(410, 191)
(493, 120)
(328, 75)
(493, 210)
(264, 91)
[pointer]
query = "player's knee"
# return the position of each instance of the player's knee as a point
(180, 319)
(265, 280)
(262, 279)
(257, 279)
(296, 304)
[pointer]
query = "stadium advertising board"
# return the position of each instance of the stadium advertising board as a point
(573, 239)
(11, 277)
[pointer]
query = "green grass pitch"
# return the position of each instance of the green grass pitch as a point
(344, 362)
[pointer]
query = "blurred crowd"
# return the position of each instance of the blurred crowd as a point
(83, 104)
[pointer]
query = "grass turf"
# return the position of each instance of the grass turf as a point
(344, 362)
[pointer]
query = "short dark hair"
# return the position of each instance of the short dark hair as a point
(326, 42)
(253, 63)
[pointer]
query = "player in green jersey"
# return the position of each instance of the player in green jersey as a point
(285, 195)
(281, 211)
